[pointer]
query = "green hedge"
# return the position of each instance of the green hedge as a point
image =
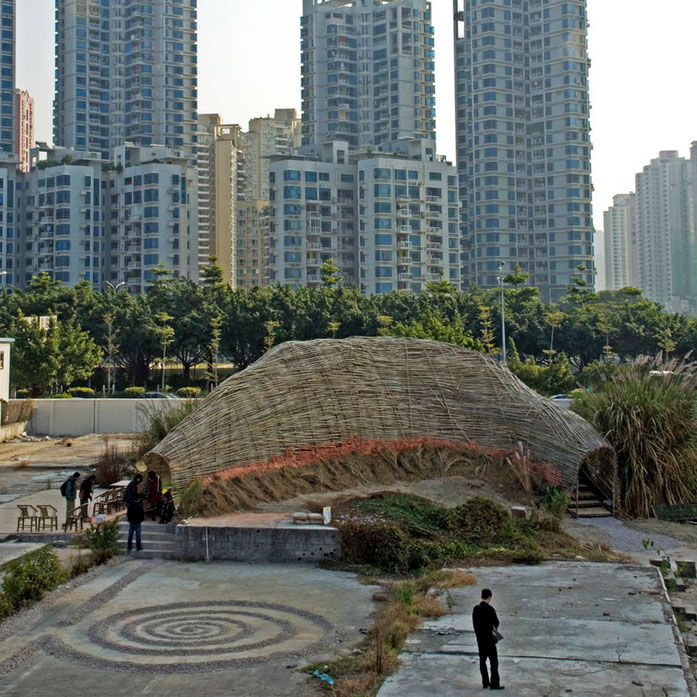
(134, 392)
(189, 392)
(84, 392)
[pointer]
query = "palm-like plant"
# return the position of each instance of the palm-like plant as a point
(648, 411)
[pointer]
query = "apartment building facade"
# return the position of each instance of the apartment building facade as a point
(80, 218)
(368, 72)
(666, 230)
(621, 253)
(265, 137)
(24, 127)
(523, 140)
(383, 218)
(126, 71)
(8, 27)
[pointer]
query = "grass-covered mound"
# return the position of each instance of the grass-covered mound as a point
(400, 533)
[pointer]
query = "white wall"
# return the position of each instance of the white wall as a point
(80, 417)
(5, 347)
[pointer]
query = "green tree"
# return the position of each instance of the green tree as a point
(35, 355)
(165, 335)
(434, 328)
(78, 354)
(329, 274)
(486, 335)
(44, 358)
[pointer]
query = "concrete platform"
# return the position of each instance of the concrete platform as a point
(176, 629)
(569, 628)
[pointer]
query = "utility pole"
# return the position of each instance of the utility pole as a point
(503, 314)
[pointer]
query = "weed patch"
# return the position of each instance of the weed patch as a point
(401, 534)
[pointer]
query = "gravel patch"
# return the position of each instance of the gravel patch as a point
(625, 539)
(107, 594)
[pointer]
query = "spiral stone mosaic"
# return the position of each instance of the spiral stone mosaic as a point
(191, 637)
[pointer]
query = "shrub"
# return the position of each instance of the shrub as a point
(647, 412)
(383, 546)
(160, 423)
(62, 395)
(28, 578)
(189, 392)
(5, 606)
(23, 392)
(481, 521)
(530, 554)
(102, 541)
(134, 392)
(554, 499)
(83, 392)
(110, 466)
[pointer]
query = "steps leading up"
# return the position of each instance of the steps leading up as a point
(159, 541)
(589, 505)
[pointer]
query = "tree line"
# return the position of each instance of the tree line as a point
(95, 333)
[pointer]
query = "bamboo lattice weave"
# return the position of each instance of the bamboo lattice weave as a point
(308, 394)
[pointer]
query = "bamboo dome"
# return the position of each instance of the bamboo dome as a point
(304, 395)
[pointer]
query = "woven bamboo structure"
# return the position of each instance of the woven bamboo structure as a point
(303, 395)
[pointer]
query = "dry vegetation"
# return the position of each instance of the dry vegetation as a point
(219, 496)
(404, 606)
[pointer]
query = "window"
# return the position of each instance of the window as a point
(291, 175)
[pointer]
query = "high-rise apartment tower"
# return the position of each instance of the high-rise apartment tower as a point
(368, 72)
(126, 71)
(621, 259)
(24, 127)
(7, 92)
(523, 140)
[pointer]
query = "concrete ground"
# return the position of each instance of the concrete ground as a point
(569, 628)
(29, 467)
(9, 511)
(176, 629)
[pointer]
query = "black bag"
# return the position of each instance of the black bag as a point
(497, 635)
(64, 488)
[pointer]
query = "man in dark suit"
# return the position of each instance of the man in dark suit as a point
(485, 622)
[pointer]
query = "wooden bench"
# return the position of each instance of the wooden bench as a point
(677, 514)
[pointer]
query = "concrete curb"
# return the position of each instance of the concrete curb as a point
(682, 652)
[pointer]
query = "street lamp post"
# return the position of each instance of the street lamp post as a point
(503, 314)
(115, 287)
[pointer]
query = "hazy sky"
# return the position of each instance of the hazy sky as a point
(642, 92)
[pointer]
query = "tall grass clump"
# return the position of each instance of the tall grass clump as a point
(648, 411)
(159, 423)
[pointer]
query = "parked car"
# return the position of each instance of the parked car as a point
(157, 395)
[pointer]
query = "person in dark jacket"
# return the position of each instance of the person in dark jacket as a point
(71, 491)
(167, 508)
(131, 493)
(485, 622)
(86, 492)
(152, 494)
(135, 516)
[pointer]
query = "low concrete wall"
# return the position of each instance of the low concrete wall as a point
(80, 417)
(10, 431)
(292, 543)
